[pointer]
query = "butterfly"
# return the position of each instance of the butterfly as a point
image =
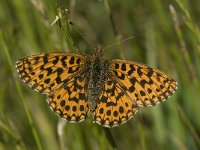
(80, 85)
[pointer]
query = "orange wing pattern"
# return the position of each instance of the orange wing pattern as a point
(69, 102)
(57, 75)
(115, 106)
(145, 85)
(48, 72)
(64, 78)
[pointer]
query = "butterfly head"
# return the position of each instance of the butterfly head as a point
(98, 51)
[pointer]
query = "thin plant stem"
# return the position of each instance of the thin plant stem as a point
(27, 111)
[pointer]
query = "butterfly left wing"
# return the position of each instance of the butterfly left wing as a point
(70, 101)
(115, 107)
(58, 76)
(48, 72)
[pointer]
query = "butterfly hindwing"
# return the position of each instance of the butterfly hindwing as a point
(70, 101)
(147, 86)
(47, 72)
(115, 107)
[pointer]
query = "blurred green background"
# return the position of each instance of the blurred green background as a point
(166, 35)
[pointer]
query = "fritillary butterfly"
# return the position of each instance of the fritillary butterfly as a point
(79, 85)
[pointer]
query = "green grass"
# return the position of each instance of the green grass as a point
(166, 36)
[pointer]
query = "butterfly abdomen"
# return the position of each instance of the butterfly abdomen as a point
(97, 75)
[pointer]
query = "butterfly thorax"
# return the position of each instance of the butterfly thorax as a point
(97, 68)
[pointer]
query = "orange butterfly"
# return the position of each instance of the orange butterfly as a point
(79, 85)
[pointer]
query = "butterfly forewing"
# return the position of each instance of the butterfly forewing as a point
(48, 72)
(115, 106)
(145, 85)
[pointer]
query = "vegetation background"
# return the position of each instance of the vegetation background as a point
(166, 35)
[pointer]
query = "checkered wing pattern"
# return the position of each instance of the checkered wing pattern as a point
(145, 85)
(115, 106)
(57, 75)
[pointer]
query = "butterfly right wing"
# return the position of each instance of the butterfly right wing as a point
(145, 85)
(115, 107)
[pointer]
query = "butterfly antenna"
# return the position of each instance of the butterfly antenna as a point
(119, 42)
(77, 30)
